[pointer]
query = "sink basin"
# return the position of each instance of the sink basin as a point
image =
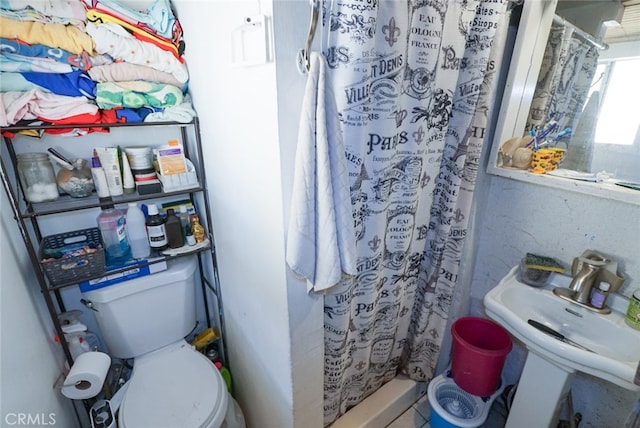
(615, 345)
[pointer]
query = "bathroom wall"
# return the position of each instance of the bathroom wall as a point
(249, 116)
(515, 218)
(30, 362)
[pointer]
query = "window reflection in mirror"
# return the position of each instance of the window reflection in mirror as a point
(617, 123)
(617, 134)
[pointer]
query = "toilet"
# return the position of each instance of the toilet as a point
(172, 384)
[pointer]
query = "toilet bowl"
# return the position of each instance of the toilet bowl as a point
(172, 384)
(174, 387)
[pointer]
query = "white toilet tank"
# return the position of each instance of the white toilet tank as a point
(147, 313)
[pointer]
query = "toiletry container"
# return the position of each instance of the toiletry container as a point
(76, 182)
(172, 384)
(196, 228)
(632, 317)
(137, 232)
(111, 222)
(174, 229)
(37, 177)
(599, 295)
(185, 222)
(156, 229)
(99, 177)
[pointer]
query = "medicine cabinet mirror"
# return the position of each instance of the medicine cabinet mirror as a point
(574, 66)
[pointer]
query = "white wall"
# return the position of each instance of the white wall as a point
(249, 119)
(30, 362)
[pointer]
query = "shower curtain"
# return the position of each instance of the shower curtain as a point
(567, 69)
(413, 83)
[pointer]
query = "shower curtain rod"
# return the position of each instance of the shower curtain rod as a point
(580, 33)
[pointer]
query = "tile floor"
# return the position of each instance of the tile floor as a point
(419, 414)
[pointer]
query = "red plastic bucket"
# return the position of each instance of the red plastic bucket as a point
(480, 348)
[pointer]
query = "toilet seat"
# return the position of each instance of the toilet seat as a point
(171, 387)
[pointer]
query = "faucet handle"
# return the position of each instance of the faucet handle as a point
(591, 258)
(614, 279)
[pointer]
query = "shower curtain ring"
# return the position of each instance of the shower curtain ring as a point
(304, 55)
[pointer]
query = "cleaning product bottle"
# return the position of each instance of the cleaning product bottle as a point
(155, 229)
(71, 324)
(111, 222)
(137, 232)
(174, 229)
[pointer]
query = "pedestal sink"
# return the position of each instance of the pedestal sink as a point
(551, 364)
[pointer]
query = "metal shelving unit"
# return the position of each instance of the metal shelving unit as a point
(28, 216)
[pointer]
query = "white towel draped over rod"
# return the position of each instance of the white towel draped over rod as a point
(304, 55)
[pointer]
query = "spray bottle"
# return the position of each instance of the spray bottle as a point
(75, 333)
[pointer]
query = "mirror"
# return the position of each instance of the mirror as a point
(567, 109)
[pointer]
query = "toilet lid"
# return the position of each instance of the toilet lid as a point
(174, 387)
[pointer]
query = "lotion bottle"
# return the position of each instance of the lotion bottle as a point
(99, 177)
(128, 183)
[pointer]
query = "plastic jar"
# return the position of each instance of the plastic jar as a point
(633, 311)
(76, 182)
(37, 177)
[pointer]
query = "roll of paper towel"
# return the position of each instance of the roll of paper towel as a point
(87, 375)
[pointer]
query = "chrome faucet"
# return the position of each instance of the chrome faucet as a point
(588, 270)
(585, 270)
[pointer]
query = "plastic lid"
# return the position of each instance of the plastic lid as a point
(604, 286)
(108, 201)
(183, 208)
(177, 387)
(152, 209)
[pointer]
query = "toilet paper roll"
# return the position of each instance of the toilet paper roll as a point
(87, 375)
